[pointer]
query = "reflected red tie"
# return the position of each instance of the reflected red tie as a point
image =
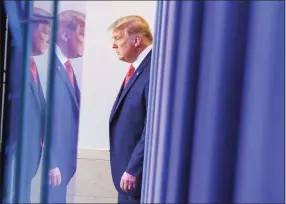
(129, 74)
(33, 69)
(70, 72)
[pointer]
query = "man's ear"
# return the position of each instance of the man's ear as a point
(137, 40)
(64, 35)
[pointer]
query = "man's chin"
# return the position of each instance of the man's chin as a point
(38, 52)
(80, 54)
(44, 49)
(121, 58)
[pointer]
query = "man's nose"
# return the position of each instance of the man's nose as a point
(114, 45)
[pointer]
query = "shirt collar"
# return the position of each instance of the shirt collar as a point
(142, 56)
(63, 59)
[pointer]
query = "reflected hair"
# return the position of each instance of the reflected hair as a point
(133, 25)
(40, 12)
(70, 20)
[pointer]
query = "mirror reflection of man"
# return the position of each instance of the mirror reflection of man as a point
(33, 130)
(66, 105)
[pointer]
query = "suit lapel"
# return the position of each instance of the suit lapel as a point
(124, 91)
(64, 76)
(116, 101)
(41, 96)
(77, 91)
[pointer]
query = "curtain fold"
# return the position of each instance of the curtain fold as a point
(14, 13)
(16, 163)
(215, 130)
(20, 18)
(260, 166)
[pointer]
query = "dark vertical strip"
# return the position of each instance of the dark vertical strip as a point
(4, 59)
(21, 144)
(147, 175)
(50, 100)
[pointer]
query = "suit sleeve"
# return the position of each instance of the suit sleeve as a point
(135, 166)
(55, 128)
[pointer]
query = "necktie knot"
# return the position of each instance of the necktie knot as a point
(129, 74)
(131, 70)
(68, 65)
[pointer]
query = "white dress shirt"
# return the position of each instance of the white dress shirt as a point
(63, 59)
(141, 56)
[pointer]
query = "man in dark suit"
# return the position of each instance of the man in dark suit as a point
(66, 106)
(132, 41)
(34, 113)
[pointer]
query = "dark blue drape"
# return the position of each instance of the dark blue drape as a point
(14, 10)
(20, 17)
(215, 130)
(16, 164)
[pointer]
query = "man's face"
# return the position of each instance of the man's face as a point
(123, 46)
(75, 43)
(40, 39)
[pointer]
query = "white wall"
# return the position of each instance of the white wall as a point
(102, 72)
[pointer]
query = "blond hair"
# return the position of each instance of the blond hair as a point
(71, 20)
(133, 25)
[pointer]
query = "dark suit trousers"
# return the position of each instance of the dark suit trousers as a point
(57, 194)
(124, 199)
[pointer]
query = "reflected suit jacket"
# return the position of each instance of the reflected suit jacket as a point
(65, 120)
(127, 126)
(33, 119)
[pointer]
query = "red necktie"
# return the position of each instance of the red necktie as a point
(70, 72)
(129, 75)
(33, 69)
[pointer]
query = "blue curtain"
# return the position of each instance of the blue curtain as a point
(15, 11)
(20, 18)
(215, 130)
(16, 164)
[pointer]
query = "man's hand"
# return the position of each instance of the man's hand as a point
(128, 182)
(55, 178)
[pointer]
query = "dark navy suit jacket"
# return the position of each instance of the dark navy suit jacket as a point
(34, 118)
(127, 127)
(65, 120)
